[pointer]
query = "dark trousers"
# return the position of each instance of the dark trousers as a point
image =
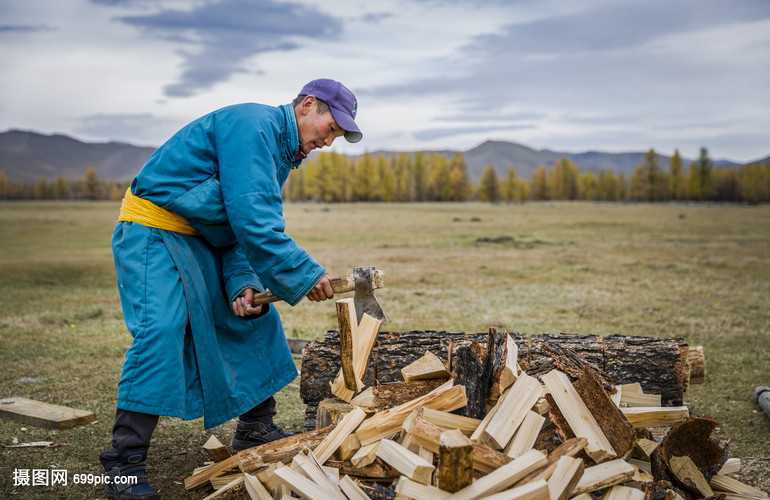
(133, 430)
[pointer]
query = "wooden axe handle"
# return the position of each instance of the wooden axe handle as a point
(339, 285)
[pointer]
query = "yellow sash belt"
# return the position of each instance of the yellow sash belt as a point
(147, 213)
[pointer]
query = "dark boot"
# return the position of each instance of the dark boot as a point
(249, 434)
(132, 465)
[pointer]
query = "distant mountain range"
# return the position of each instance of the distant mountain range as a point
(29, 156)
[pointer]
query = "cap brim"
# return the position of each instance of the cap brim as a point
(346, 122)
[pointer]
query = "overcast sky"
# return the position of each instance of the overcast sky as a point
(608, 75)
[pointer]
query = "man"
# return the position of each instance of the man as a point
(201, 230)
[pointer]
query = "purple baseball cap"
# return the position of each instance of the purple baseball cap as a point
(341, 101)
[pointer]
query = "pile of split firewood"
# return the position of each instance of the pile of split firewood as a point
(439, 415)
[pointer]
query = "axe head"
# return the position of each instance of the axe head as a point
(364, 299)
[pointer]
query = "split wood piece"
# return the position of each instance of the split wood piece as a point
(455, 461)
(255, 488)
(604, 475)
(580, 420)
(203, 477)
(301, 485)
(334, 439)
(661, 416)
(408, 488)
(573, 364)
(42, 414)
(689, 476)
(632, 400)
(615, 397)
(387, 422)
(641, 474)
(266, 476)
(731, 466)
(365, 336)
(221, 481)
(526, 435)
(502, 478)
(691, 438)
(404, 461)
(216, 450)
(645, 447)
(613, 424)
(633, 387)
(380, 397)
(447, 420)
(331, 410)
(348, 324)
(697, 364)
(365, 454)
(721, 482)
(569, 448)
(623, 493)
(428, 435)
(282, 450)
(509, 370)
(427, 367)
(312, 469)
(234, 490)
(347, 448)
(377, 470)
(565, 477)
(532, 491)
(739, 496)
(642, 465)
(351, 489)
(509, 415)
(585, 496)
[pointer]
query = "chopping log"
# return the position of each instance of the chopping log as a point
(656, 362)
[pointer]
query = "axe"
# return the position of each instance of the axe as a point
(363, 281)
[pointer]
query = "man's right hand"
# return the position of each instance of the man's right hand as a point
(321, 291)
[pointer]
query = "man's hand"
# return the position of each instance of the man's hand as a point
(242, 304)
(321, 291)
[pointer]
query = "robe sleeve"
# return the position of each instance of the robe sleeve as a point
(247, 151)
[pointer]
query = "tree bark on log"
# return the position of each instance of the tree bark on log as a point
(656, 362)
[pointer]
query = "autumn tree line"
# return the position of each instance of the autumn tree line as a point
(403, 177)
(89, 187)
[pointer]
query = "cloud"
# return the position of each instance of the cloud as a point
(217, 37)
(441, 133)
(119, 125)
(25, 28)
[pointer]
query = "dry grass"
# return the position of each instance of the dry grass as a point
(697, 271)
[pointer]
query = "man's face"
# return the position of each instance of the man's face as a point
(315, 131)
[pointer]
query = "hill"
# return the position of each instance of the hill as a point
(29, 156)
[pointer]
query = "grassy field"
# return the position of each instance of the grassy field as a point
(697, 271)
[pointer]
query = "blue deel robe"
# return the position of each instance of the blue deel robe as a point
(191, 355)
